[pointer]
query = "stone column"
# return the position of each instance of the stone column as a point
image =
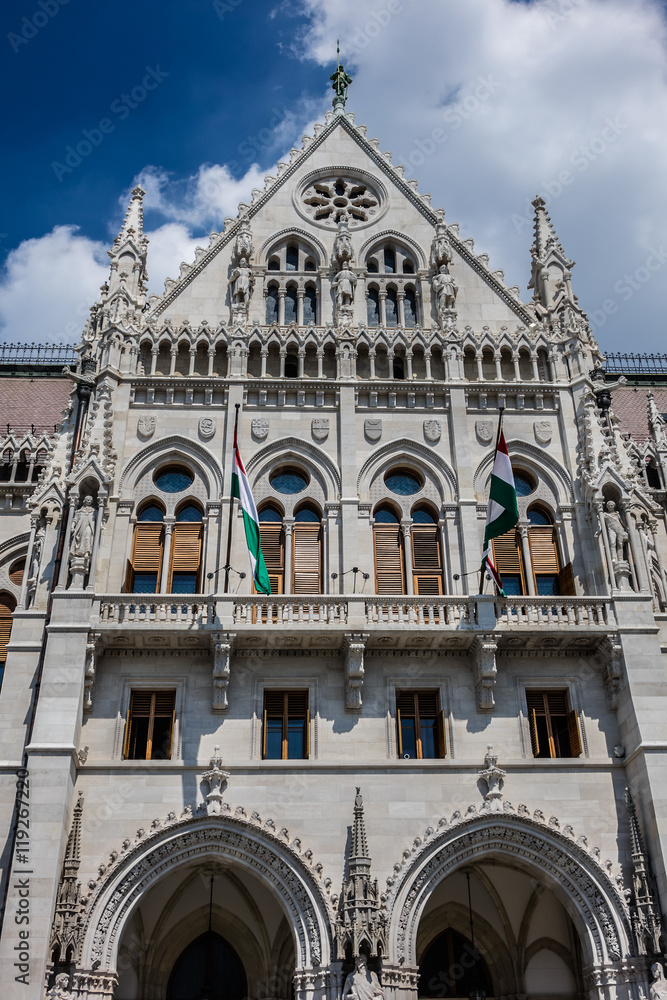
(496, 358)
(408, 365)
(101, 510)
(166, 554)
(283, 355)
(427, 362)
(281, 307)
(193, 355)
(517, 368)
(299, 306)
(154, 353)
(320, 362)
(371, 362)
(302, 358)
(288, 526)
(264, 353)
(480, 370)
(406, 524)
(211, 361)
(172, 364)
(382, 296)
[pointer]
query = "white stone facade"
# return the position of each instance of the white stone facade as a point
(326, 313)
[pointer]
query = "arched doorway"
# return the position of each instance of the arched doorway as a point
(208, 967)
(452, 967)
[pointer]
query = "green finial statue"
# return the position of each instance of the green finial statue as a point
(341, 81)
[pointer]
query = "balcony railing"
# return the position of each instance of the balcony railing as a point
(354, 611)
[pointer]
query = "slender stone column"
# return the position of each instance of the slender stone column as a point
(166, 554)
(288, 526)
(527, 559)
(406, 524)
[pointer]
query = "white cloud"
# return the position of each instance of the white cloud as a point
(168, 246)
(48, 285)
(522, 92)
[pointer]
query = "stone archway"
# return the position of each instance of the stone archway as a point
(171, 863)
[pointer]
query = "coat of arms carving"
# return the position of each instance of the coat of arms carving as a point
(484, 430)
(432, 430)
(320, 428)
(543, 432)
(373, 429)
(146, 426)
(259, 428)
(207, 427)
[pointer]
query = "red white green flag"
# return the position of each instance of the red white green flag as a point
(241, 490)
(502, 512)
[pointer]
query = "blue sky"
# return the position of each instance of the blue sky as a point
(486, 102)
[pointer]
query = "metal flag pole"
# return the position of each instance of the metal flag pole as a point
(231, 508)
(501, 410)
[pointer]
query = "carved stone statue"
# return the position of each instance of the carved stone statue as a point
(244, 247)
(441, 248)
(365, 985)
(81, 542)
(658, 990)
(37, 548)
(241, 278)
(340, 82)
(60, 989)
(342, 249)
(344, 286)
(616, 532)
(445, 289)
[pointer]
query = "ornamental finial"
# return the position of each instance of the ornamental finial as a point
(340, 82)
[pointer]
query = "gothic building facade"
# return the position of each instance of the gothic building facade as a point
(373, 781)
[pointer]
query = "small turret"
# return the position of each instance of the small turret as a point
(556, 304)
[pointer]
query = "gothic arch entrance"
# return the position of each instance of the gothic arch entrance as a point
(208, 966)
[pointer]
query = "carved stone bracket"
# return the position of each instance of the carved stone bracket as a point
(494, 778)
(610, 657)
(215, 778)
(354, 648)
(93, 649)
(484, 650)
(222, 644)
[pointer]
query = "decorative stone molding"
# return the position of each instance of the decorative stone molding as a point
(215, 778)
(360, 918)
(354, 648)
(609, 655)
(222, 644)
(494, 779)
(373, 429)
(483, 650)
(146, 426)
(647, 920)
(93, 649)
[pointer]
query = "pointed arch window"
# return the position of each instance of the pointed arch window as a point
(272, 305)
(292, 258)
(143, 576)
(186, 548)
(290, 304)
(272, 539)
(535, 568)
(391, 307)
(410, 308)
(388, 549)
(373, 307)
(389, 261)
(310, 305)
(426, 554)
(307, 551)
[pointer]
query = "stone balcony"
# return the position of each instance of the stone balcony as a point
(401, 621)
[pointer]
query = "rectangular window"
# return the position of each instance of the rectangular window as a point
(286, 725)
(143, 575)
(421, 725)
(554, 729)
(149, 730)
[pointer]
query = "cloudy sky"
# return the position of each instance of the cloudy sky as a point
(485, 102)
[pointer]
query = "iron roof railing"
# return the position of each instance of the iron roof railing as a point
(38, 354)
(637, 364)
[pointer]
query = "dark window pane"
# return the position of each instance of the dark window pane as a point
(310, 265)
(410, 308)
(408, 267)
(174, 480)
(427, 727)
(373, 266)
(292, 259)
(291, 366)
(152, 513)
(373, 308)
(385, 516)
(561, 734)
(546, 584)
(391, 306)
(408, 737)
(402, 483)
(522, 484)
(537, 516)
(184, 583)
(270, 514)
(289, 482)
(389, 261)
(145, 583)
(161, 738)
(139, 738)
(512, 584)
(272, 305)
(274, 264)
(310, 306)
(274, 739)
(189, 513)
(290, 305)
(422, 516)
(296, 731)
(307, 514)
(542, 735)
(398, 368)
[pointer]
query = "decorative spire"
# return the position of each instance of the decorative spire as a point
(545, 238)
(340, 82)
(656, 421)
(64, 935)
(133, 224)
(644, 911)
(360, 925)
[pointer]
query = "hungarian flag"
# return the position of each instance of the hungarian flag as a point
(502, 512)
(241, 490)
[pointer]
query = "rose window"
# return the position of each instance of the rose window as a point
(330, 200)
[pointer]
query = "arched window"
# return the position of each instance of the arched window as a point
(388, 547)
(410, 308)
(543, 366)
(506, 365)
(307, 551)
(391, 306)
(537, 570)
(292, 258)
(426, 556)
(186, 546)
(16, 571)
(408, 267)
(389, 261)
(373, 307)
(544, 553)
(373, 266)
(143, 572)
(470, 365)
(488, 364)
(290, 304)
(525, 365)
(398, 366)
(272, 305)
(310, 265)
(310, 305)
(7, 605)
(272, 539)
(274, 264)
(291, 364)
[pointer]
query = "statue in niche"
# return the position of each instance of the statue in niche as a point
(344, 285)
(60, 989)
(365, 985)
(616, 532)
(658, 989)
(445, 289)
(81, 542)
(37, 548)
(241, 279)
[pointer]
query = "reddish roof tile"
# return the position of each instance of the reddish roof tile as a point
(28, 401)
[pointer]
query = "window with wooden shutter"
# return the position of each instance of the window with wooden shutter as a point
(426, 561)
(389, 564)
(149, 729)
(554, 728)
(509, 563)
(544, 558)
(7, 605)
(285, 734)
(185, 558)
(566, 585)
(146, 557)
(421, 725)
(273, 549)
(16, 572)
(307, 558)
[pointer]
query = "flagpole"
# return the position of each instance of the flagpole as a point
(231, 509)
(501, 410)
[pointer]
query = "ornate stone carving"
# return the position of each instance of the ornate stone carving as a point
(445, 291)
(222, 653)
(354, 648)
(494, 778)
(320, 428)
(484, 431)
(81, 543)
(658, 989)
(360, 918)
(240, 285)
(60, 989)
(216, 777)
(260, 428)
(146, 426)
(610, 657)
(373, 429)
(362, 984)
(647, 922)
(65, 930)
(441, 247)
(432, 430)
(342, 248)
(484, 650)
(92, 650)
(344, 288)
(617, 539)
(207, 427)
(243, 247)
(543, 431)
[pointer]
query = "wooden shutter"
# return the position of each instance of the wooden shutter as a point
(6, 609)
(428, 703)
(507, 554)
(441, 734)
(185, 553)
(16, 574)
(426, 562)
(147, 547)
(566, 581)
(272, 541)
(543, 554)
(307, 740)
(557, 702)
(573, 733)
(389, 575)
(164, 702)
(126, 741)
(400, 734)
(534, 735)
(307, 559)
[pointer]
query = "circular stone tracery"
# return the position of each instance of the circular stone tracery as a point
(342, 196)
